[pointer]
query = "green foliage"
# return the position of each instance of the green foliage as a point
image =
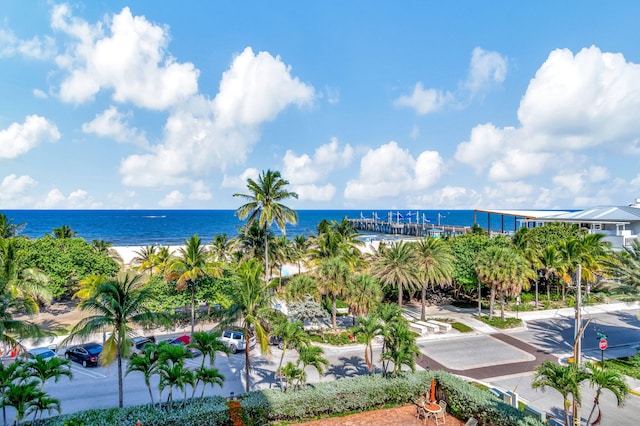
(65, 261)
(500, 323)
(335, 339)
(465, 249)
(629, 366)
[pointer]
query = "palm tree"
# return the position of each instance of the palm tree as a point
(89, 286)
(144, 258)
(363, 294)
(368, 328)
(63, 232)
(292, 374)
(208, 343)
(52, 368)
(221, 248)
(105, 247)
(12, 330)
(264, 205)
(435, 265)
(191, 266)
(292, 335)
(207, 376)
(8, 375)
(146, 363)
(41, 403)
(300, 287)
(8, 229)
(400, 346)
(117, 303)
(171, 369)
(606, 379)
(334, 274)
(565, 379)
(26, 286)
(23, 396)
(299, 250)
(309, 355)
(395, 266)
(252, 308)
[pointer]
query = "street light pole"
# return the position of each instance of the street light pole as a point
(577, 347)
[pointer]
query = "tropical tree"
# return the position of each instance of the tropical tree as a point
(363, 294)
(106, 248)
(291, 334)
(221, 248)
(606, 379)
(171, 369)
(26, 397)
(208, 343)
(435, 266)
(311, 356)
(64, 232)
(207, 376)
(117, 304)
(45, 369)
(264, 205)
(145, 363)
(8, 229)
(144, 258)
(400, 346)
(252, 308)
(395, 266)
(191, 266)
(26, 286)
(12, 330)
(368, 328)
(8, 375)
(89, 286)
(300, 287)
(334, 274)
(299, 250)
(565, 379)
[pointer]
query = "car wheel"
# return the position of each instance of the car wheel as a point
(84, 363)
(281, 345)
(233, 348)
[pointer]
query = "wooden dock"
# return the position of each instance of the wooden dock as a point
(408, 229)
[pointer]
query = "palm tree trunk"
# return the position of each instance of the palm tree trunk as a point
(334, 311)
(120, 395)
(284, 348)
(266, 256)
(492, 299)
(150, 393)
(247, 362)
(423, 312)
(596, 403)
(399, 294)
(502, 305)
(193, 308)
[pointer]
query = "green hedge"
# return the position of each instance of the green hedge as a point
(360, 393)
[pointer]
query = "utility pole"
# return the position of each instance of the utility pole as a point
(577, 346)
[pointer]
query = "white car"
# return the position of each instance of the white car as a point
(42, 353)
(235, 340)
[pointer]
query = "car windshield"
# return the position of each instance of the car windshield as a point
(44, 354)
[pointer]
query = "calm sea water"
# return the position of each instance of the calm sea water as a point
(172, 227)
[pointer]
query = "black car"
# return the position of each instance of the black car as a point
(276, 341)
(86, 354)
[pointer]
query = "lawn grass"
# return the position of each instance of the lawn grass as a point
(629, 366)
(498, 322)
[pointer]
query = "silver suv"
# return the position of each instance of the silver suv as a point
(235, 340)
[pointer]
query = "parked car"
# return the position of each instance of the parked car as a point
(40, 353)
(139, 342)
(276, 341)
(184, 340)
(235, 340)
(86, 354)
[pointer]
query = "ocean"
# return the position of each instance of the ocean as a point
(173, 227)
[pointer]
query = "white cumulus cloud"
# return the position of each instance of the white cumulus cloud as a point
(13, 186)
(124, 53)
(487, 68)
(34, 48)
(113, 124)
(390, 170)
(172, 199)
(18, 138)
(304, 169)
(424, 101)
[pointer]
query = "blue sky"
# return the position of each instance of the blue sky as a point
(359, 104)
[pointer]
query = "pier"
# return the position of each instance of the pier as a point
(390, 227)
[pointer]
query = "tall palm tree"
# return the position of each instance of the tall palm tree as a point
(299, 251)
(368, 328)
(400, 346)
(63, 232)
(89, 286)
(363, 294)
(334, 274)
(435, 266)
(191, 266)
(606, 379)
(264, 205)
(395, 266)
(117, 304)
(565, 379)
(252, 308)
